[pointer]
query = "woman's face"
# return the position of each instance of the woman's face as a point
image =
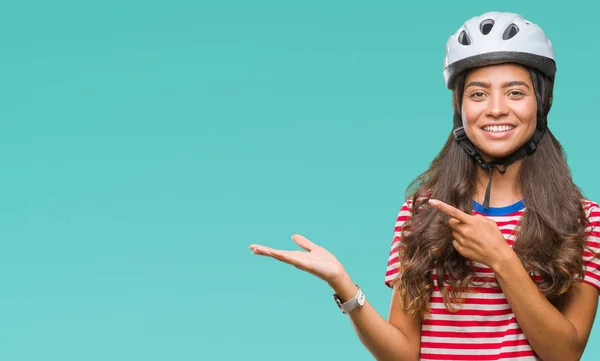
(499, 109)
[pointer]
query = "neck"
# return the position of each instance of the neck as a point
(505, 188)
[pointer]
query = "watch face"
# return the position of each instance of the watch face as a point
(361, 299)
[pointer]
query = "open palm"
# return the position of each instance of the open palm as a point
(316, 260)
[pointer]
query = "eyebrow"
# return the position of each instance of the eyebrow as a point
(505, 85)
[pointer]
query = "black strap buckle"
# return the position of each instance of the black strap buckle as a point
(530, 147)
(459, 134)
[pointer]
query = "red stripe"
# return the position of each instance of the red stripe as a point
(512, 222)
(593, 244)
(402, 219)
(403, 215)
(391, 272)
(592, 275)
(475, 301)
(482, 269)
(393, 260)
(475, 279)
(592, 265)
(463, 312)
(465, 323)
(476, 290)
(491, 280)
(476, 346)
(502, 355)
(514, 214)
(470, 335)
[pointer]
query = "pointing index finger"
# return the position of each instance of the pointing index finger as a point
(449, 210)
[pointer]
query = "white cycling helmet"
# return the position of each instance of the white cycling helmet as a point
(497, 37)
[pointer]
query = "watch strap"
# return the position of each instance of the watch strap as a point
(357, 301)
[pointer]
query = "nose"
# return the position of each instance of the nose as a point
(497, 106)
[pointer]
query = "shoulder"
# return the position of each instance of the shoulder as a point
(592, 220)
(592, 209)
(591, 254)
(592, 224)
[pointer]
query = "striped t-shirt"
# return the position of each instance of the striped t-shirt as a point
(485, 327)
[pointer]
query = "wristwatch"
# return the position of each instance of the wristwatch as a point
(357, 301)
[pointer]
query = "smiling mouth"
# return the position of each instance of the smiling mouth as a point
(498, 128)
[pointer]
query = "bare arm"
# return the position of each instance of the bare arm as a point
(555, 335)
(397, 339)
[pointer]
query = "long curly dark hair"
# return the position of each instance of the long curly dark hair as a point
(551, 237)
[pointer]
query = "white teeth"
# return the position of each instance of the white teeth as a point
(498, 128)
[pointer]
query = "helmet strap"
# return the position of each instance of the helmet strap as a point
(501, 164)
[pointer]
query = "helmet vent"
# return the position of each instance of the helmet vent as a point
(486, 26)
(463, 38)
(510, 32)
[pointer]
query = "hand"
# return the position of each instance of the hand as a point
(316, 261)
(475, 237)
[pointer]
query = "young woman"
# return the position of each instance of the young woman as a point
(495, 251)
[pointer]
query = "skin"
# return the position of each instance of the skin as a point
(499, 94)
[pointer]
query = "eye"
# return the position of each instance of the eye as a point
(477, 94)
(516, 93)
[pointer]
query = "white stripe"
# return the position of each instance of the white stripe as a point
(394, 247)
(487, 340)
(471, 317)
(403, 213)
(505, 218)
(508, 227)
(470, 329)
(393, 266)
(592, 228)
(593, 281)
(487, 296)
(391, 277)
(475, 306)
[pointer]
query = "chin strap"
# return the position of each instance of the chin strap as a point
(528, 148)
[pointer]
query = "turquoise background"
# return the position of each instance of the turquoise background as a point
(144, 145)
